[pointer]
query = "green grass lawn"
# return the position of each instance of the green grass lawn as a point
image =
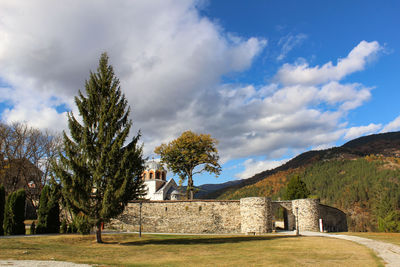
(174, 250)
(393, 238)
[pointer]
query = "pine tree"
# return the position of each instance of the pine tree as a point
(296, 189)
(2, 206)
(98, 172)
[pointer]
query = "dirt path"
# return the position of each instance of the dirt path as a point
(390, 253)
(33, 263)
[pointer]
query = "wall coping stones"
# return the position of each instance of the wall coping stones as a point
(180, 201)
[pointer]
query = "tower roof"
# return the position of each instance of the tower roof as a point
(153, 165)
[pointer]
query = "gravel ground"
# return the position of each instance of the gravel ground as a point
(32, 263)
(390, 253)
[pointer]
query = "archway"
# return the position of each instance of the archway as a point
(282, 216)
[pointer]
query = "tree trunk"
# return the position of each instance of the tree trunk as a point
(190, 187)
(98, 233)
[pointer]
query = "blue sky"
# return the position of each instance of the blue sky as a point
(331, 28)
(268, 79)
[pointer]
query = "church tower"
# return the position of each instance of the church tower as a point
(157, 186)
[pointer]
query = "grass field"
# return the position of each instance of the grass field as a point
(173, 250)
(393, 238)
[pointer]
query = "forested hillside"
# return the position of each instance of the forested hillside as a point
(366, 189)
(362, 178)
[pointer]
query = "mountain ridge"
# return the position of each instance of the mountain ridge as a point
(386, 144)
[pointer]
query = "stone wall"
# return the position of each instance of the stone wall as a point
(308, 214)
(198, 216)
(333, 219)
(256, 215)
(249, 215)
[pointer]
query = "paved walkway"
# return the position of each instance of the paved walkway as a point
(390, 253)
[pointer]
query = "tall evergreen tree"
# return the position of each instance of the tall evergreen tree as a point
(99, 172)
(2, 206)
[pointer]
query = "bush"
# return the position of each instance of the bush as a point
(33, 228)
(14, 215)
(2, 206)
(391, 223)
(72, 228)
(82, 224)
(42, 211)
(64, 227)
(8, 221)
(49, 210)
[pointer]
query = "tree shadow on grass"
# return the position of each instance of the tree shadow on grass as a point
(200, 240)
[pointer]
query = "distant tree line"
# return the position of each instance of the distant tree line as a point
(367, 189)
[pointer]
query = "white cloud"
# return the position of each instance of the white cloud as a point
(304, 74)
(253, 167)
(358, 131)
(350, 96)
(289, 42)
(164, 53)
(392, 126)
(170, 61)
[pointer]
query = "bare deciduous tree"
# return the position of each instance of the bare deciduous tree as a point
(25, 158)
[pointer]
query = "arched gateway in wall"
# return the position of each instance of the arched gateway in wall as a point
(283, 215)
(253, 215)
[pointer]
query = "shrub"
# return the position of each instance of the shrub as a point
(82, 224)
(14, 215)
(8, 221)
(43, 211)
(2, 206)
(33, 228)
(390, 223)
(49, 210)
(64, 227)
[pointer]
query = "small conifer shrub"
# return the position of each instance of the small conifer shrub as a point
(14, 215)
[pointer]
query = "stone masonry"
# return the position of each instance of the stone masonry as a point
(251, 215)
(308, 214)
(256, 215)
(199, 216)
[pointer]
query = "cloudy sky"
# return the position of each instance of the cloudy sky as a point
(268, 79)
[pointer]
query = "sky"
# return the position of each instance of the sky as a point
(268, 79)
